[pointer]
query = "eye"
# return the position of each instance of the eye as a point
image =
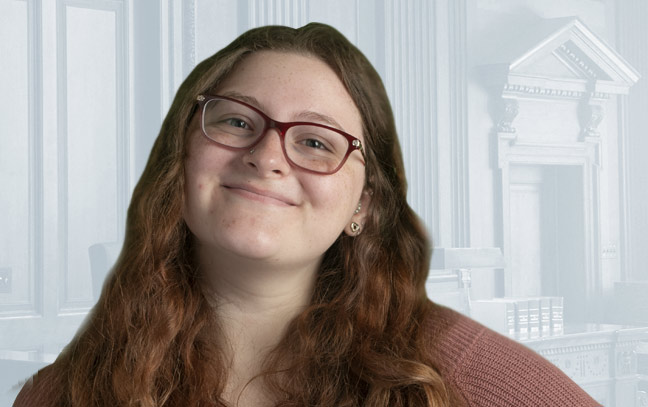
(313, 143)
(238, 123)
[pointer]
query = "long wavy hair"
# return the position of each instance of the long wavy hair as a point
(149, 341)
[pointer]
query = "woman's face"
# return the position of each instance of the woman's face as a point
(243, 206)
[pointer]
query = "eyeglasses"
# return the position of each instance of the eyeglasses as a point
(313, 147)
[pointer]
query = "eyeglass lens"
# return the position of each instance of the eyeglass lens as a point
(311, 147)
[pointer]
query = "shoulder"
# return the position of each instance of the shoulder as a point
(42, 390)
(488, 369)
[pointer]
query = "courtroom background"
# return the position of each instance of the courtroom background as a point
(523, 123)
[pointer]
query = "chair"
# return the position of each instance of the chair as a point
(102, 259)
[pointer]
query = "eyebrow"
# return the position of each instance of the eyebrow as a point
(319, 117)
(304, 115)
(251, 100)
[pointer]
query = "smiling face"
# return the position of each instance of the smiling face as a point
(244, 207)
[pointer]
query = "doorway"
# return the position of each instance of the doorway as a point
(548, 234)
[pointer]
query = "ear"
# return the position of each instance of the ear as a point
(360, 216)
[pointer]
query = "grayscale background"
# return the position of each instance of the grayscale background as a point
(524, 128)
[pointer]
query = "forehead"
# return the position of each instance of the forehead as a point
(286, 85)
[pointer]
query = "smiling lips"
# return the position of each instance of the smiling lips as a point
(259, 195)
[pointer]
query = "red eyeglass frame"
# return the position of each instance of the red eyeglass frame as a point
(282, 127)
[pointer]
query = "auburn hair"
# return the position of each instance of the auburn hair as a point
(362, 341)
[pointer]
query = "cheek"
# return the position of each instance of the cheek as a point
(192, 208)
(201, 170)
(338, 196)
(205, 163)
(193, 188)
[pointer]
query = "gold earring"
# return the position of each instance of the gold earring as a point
(358, 208)
(355, 228)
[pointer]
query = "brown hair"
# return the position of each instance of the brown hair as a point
(362, 341)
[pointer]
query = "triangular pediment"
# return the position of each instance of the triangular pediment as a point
(553, 66)
(574, 53)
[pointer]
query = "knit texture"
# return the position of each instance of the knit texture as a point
(481, 367)
(486, 369)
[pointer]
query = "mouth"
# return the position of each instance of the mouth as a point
(259, 195)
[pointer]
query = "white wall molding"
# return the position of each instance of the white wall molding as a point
(410, 80)
(170, 49)
(447, 187)
(293, 13)
(36, 219)
(459, 119)
(188, 36)
(33, 304)
(630, 27)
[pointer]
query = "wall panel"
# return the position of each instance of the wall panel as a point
(92, 139)
(632, 31)
(217, 23)
(19, 162)
(343, 15)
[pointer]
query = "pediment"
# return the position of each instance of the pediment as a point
(551, 66)
(566, 56)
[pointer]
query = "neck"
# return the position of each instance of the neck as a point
(255, 301)
(257, 306)
(257, 289)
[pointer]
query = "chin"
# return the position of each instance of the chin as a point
(257, 247)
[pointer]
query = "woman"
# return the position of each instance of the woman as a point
(271, 258)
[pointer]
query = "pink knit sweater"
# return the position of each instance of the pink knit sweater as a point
(483, 369)
(486, 369)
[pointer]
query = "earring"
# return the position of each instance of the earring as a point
(358, 208)
(355, 228)
(252, 151)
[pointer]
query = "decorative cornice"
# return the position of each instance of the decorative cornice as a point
(596, 70)
(540, 91)
(577, 60)
(584, 53)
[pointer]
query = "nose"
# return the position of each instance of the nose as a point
(267, 156)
